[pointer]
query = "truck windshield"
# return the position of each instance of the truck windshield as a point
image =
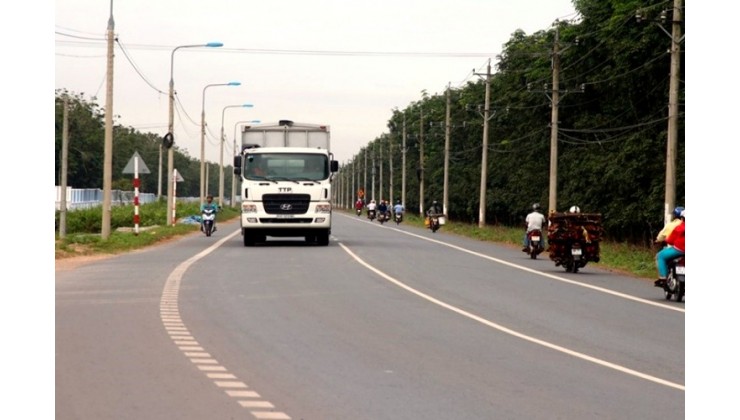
(286, 167)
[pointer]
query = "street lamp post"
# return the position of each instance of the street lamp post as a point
(171, 129)
(203, 139)
(221, 157)
(236, 152)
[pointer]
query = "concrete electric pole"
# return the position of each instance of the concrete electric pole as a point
(108, 148)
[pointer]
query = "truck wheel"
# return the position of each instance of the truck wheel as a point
(248, 238)
(323, 238)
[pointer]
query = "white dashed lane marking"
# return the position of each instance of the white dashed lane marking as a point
(204, 361)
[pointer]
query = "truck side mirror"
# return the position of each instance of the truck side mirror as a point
(334, 165)
(237, 165)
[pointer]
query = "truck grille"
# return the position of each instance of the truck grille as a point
(286, 203)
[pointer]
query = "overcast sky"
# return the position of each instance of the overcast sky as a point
(342, 63)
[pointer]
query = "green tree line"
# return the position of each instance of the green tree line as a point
(86, 132)
(611, 136)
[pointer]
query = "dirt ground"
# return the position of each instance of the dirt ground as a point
(70, 263)
(81, 256)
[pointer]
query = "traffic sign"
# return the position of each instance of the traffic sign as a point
(130, 169)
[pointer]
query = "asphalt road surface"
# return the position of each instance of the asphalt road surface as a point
(387, 322)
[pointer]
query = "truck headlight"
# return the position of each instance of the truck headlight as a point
(323, 208)
(249, 208)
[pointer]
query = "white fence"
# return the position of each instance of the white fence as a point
(83, 198)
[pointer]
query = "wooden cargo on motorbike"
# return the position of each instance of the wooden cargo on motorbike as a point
(569, 227)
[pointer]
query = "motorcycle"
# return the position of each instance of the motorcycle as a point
(398, 218)
(573, 239)
(371, 215)
(208, 216)
(434, 223)
(675, 284)
(383, 217)
(358, 211)
(535, 247)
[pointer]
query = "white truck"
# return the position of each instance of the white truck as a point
(286, 171)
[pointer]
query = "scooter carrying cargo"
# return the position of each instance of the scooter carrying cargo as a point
(573, 239)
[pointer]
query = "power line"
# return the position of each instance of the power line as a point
(136, 68)
(351, 53)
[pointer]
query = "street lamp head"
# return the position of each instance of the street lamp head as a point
(215, 44)
(234, 83)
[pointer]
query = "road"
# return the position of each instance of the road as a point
(387, 322)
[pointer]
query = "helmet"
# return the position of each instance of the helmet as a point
(372, 201)
(683, 214)
(574, 209)
(434, 202)
(398, 201)
(536, 206)
(677, 211)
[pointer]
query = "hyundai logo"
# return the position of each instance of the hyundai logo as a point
(286, 207)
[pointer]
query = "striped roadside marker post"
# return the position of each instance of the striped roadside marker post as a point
(174, 196)
(136, 165)
(137, 183)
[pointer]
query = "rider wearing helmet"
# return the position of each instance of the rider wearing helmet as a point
(382, 208)
(398, 208)
(668, 228)
(372, 205)
(434, 209)
(676, 247)
(534, 221)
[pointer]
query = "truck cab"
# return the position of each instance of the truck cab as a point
(286, 172)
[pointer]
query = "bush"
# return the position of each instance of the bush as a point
(150, 214)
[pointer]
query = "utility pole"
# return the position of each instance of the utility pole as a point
(108, 148)
(390, 167)
(552, 203)
(673, 90)
(421, 162)
(555, 99)
(484, 151)
(353, 187)
(403, 164)
(380, 146)
(364, 183)
(672, 146)
(63, 174)
(445, 194)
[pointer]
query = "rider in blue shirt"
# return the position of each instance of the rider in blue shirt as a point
(398, 208)
(209, 204)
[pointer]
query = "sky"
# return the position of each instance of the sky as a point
(343, 63)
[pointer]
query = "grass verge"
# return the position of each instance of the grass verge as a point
(623, 258)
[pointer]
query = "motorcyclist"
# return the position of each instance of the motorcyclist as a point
(371, 206)
(677, 248)
(382, 208)
(359, 205)
(209, 204)
(398, 208)
(434, 210)
(534, 221)
(668, 228)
